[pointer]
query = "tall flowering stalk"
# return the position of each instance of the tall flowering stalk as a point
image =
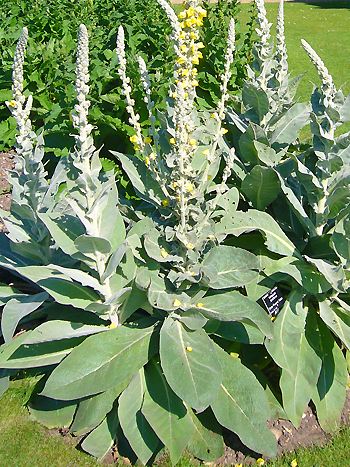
(323, 128)
(170, 153)
(29, 148)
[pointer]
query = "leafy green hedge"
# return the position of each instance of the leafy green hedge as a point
(50, 68)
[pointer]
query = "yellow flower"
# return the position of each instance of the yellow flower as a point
(294, 463)
(193, 35)
(183, 48)
(194, 71)
(112, 326)
(182, 35)
(190, 22)
(153, 156)
(186, 95)
(173, 95)
(177, 303)
(12, 103)
(205, 152)
(147, 161)
(136, 147)
(273, 318)
(163, 253)
(148, 140)
(195, 61)
(200, 305)
(182, 25)
(134, 138)
(174, 185)
(189, 246)
(182, 15)
(192, 142)
(189, 349)
(200, 45)
(260, 461)
(199, 54)
(189, 187)
(236, 355)
(165, 203)
(238, 465)
(172, 141)
(224, 131)
(195, 83)
(185, 72)
(191, 11)
(214, 115)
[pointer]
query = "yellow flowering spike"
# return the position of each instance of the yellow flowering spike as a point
(177, 302)
(294, 463)
(200, 305)
(189, 246)
(172, 141)
(112, 326)
(192, 142)
(148, 140)
(224, 131)
(133, 139)
(205, 152)
(165, 203)
(260, 461)
(163, 253)
(189, 349)
(12, 103)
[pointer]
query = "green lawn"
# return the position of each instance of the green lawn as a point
(24, 443)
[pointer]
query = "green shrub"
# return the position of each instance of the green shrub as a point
(50, 70)
(146, 327)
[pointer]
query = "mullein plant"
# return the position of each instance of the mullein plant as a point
(150, 331)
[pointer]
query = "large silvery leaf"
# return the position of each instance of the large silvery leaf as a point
(275, 239)
(337, 318)
(136, 429)
(57, 330)
(207, 443)
(18, 308)
(92, 247)
(287, 128)
(4, 383)
(100, 441)
(255, 101)
(233, 306)
(166, 413)
(55, 283)
(261, 186)
(17, 354)
(101, 362)
(142, 181)
(291, 350)
(227, 266)
(329, 397)
(242, 406)
(192, 355)
(245, 333)
(52, 413)
(92, 411)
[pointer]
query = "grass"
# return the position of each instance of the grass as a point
(23, 443)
